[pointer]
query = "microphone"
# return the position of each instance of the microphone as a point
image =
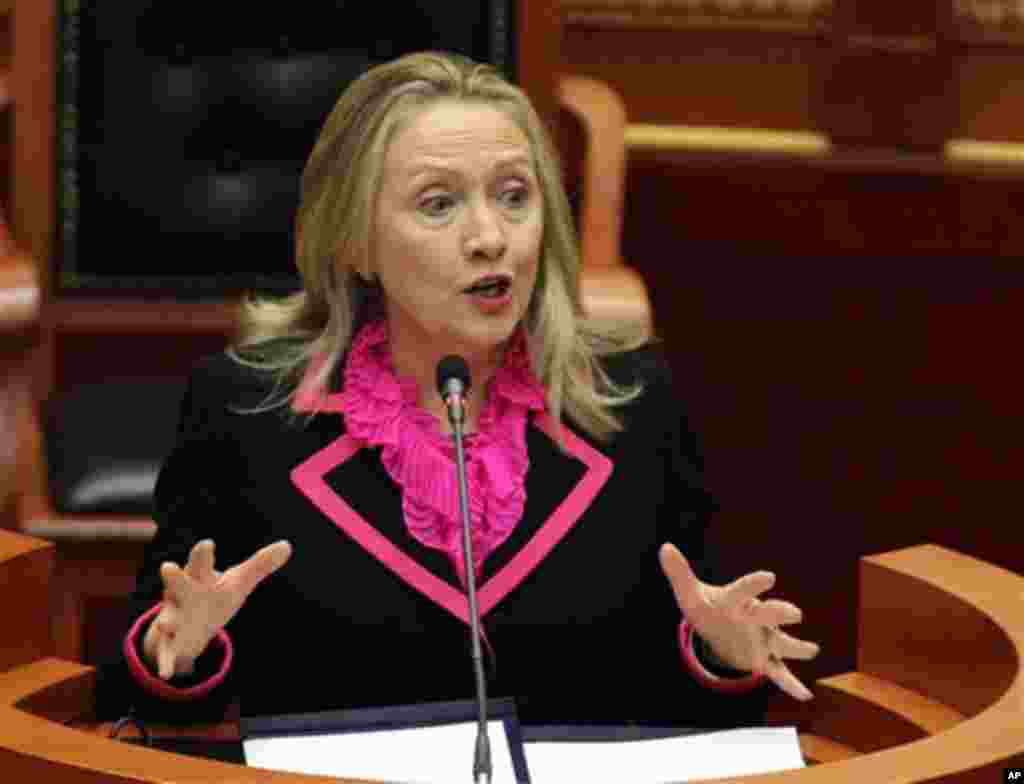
(453, 383)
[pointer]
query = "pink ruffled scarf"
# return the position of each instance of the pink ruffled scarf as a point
(381, 409)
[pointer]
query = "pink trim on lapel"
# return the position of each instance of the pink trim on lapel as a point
(561, 521)
(308, 477)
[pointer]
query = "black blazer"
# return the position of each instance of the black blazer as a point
(582, 623)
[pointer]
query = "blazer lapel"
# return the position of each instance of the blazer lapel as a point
(598, 468)
(310, 479)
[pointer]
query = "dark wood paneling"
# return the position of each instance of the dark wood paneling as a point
(5, 109)
(89, 597)
(93, 359)
(538, 35)
(990, 94)
(846, 347)
(708, 77)
(32, 173)
(884, 17)
(911, 107)
(25, 570)
(902, 76)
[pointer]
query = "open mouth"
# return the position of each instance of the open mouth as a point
(494, 287)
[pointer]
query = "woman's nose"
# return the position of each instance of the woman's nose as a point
(485, 234)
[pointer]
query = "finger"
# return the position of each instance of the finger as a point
(684, 582)
(175, 582)
(774, 612)
(200, 561)
(780, 674)
(248, 574)
(788, 647)
(167, 621)
(743, 591)
(165, 659)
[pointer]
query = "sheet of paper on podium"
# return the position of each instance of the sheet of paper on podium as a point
(666, 760)
(418, 755)
(433, 743)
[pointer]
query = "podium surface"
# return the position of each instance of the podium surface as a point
(937, 696)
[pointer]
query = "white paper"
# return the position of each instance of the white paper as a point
(687, 758)
(419, 755)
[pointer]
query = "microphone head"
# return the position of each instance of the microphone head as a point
(449, 368)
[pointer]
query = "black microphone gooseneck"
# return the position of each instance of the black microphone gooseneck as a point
(453, 383)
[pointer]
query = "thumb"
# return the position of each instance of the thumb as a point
(684, 582)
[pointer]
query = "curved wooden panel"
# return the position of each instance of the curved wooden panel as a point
(950, 628)
(26, 566)
(33, 746)
(961, 644)
(817, 749)
(926, 715)
(870, 714)
(918, 603)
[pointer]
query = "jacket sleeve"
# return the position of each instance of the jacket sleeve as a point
(191, 502)
(688, 513)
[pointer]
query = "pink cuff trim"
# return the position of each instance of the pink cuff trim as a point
(161, 688)
(709, 679)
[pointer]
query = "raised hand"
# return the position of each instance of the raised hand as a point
(743, 629)
(198, 602)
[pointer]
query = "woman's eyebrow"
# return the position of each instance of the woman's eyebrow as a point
(515, 159)
(424, 167)
(519, 160)
(415, 171)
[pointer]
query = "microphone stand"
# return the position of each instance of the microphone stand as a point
(482, 757)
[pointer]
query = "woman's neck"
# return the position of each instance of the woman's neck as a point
(420, 364)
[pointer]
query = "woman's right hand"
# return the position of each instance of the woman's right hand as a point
(199, 601)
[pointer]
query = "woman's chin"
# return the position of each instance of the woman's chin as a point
(481, 336)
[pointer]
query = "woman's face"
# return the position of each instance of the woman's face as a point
(458, 229)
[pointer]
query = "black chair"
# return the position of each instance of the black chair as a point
(185, 127)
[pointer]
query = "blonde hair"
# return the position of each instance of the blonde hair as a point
(333, 228)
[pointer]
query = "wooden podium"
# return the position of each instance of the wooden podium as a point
(938, 694)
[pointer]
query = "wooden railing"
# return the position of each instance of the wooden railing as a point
(936, 697)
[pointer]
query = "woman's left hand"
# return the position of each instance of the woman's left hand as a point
(742, 629)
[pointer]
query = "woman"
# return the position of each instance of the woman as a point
(316, 457)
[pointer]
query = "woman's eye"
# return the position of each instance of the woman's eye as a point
(437, 206)
(515, 197)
